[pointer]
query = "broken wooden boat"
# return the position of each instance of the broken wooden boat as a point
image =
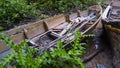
(46, 32)
(84, 21)
(112, 29)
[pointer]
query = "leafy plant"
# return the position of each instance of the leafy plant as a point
(12, 10)
(21, 55)
(60, 57)
(64, 5)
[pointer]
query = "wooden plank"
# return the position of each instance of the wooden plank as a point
(116, 3)
(35, 29)
(82, 13)
(73, 16)
(3, 46)
(14, 31)
(16, 35)
(17, 38)
(54, 21)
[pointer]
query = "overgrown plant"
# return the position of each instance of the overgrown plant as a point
(12, 10)
(65, 5)
(58, 57)
(21, 55)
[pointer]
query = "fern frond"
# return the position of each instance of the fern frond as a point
(6, 60)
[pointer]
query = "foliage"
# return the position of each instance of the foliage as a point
(64, 5)
(1, 28)
(12, 10)
(22, 55)
(59, 57)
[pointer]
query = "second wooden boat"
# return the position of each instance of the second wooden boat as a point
(112, 29)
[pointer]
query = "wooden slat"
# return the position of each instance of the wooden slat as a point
(82, 13)
(73, 16)
(35, 29)
(3, 46)
(116, 3)
(14, 30)
(16, 35)
(54, 21)
(17, 38)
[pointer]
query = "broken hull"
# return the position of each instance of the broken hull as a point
(32, 30)
(113, 34)
(84, 27)
(112, 29)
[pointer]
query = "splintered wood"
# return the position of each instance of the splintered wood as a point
(114, 13)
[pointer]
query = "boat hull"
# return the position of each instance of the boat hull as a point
(32, 30)
(113, 34)
(112, 29)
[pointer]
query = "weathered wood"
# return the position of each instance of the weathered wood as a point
(33, 40)
(73, 16)
(17, 38)
(66, 29)
(116, 3)
(3, 46)
(55, 21)
(93, 26)
(34, 29)
(113, 29)
(82, 13)
(105, 13)
(70, 36)
(16, 35)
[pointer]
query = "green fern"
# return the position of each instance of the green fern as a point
(21, 55)
(6, 60)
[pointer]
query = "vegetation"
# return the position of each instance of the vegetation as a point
(58, 6)
(14, 12)
(22, 55)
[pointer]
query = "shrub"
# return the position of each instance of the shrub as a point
(12, 10)
(23, 56)
(56, 6)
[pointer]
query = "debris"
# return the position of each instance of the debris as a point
(100, 66)
(105, 13)
(67, 28)
(90, 57)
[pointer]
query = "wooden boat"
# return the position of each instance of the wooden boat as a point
(112, 29)
(85, 23)
(40, 30)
